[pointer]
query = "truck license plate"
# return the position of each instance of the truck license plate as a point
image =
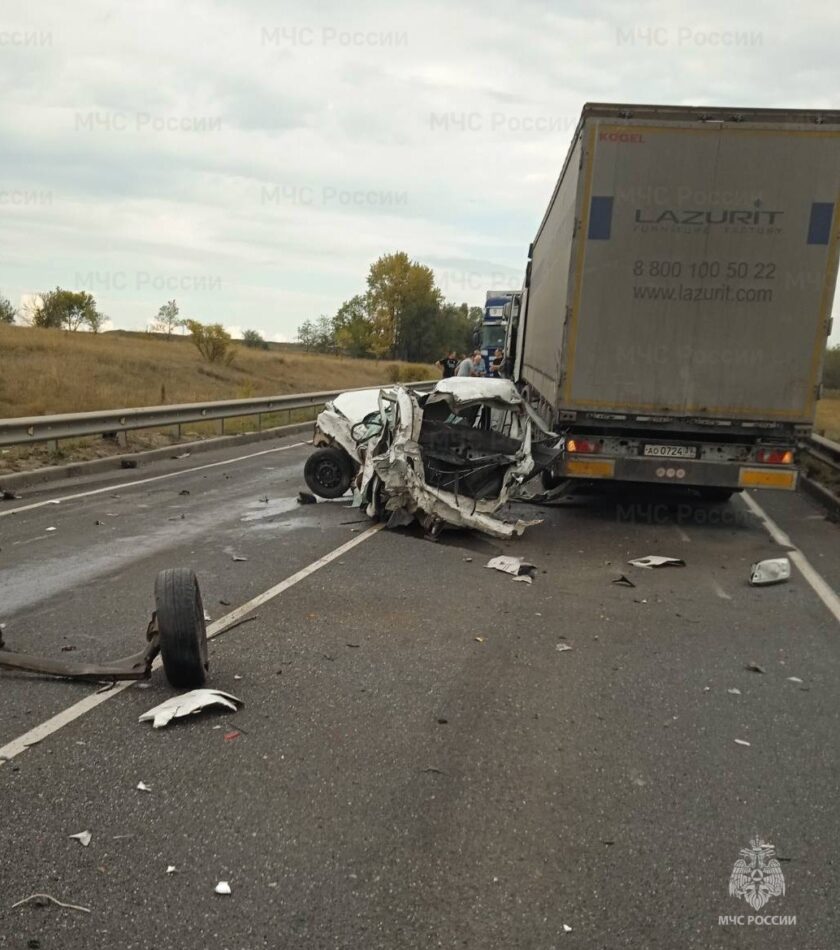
(671, 451)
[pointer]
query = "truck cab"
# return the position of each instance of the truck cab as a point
(494, 324)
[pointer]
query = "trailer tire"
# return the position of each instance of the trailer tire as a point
(182, 631)
(328, 472)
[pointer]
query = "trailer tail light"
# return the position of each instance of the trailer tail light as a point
(582, 446)
(774, 456)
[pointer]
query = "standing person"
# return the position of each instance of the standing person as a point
(465, 367)
(496, 363)
(478, 364)
(448, 364)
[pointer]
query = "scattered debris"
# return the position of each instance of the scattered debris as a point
(735, 691)
(656, 560)
(512, 565)
(794, 679)
(99, 523)
(222, 887)
(225, 603)
(567, 929)
(468, 560)
(434, 771)
(9, 495)
(264, 499)
(354, 646)
(238, 557)
(51, 529)
(42, 899)
(306, 498)
(184, 491)
(562, 647)
(524, 578)
(187, 704)
(742, 742)
(68, 648)
(755, 668)
(773, 570)
(623, 581)
(442, 722)
(128, 463)
(143, 787)
(171, 869)
(479, 639)
(183, 455)
(83, 837)
(230, 736)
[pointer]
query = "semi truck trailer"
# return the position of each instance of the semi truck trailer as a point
(678, 294)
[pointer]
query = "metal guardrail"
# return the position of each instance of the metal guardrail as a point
(74, 425)
(815, 479)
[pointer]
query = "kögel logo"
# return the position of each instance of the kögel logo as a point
(757, 875)
(626, 137)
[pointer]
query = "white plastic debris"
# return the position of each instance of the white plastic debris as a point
(656, 560)
(567, 929)
(524, 578)
(562, 647)
(742, 742)
(170, 869)
(188, 703)
(512, 565)
(143, 787)
(735, 691)
(794, 679)
(773, 570)
(51, 529)
(238, 557)
(223, 887)
(83, 837)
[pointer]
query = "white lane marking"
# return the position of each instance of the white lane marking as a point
(83, 706)
(720, 591)
(145, 481)
(819, 585)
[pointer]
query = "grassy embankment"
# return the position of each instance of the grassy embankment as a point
(49, 371)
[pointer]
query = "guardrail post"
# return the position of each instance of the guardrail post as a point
(221, 426)
(259, 422)
(52, 446)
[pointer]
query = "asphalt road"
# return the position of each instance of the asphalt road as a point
(418, 764)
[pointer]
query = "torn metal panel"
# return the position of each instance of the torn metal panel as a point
(453, 456)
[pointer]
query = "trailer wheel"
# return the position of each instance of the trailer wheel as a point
(183, 635)
(328, 472)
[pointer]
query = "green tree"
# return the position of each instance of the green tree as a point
(212, 341)
(353, 328)
(167, 319)
(67, 310)
(404, 303)
(7, 311)
(254, 340)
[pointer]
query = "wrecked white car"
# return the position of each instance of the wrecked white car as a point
(452, 456)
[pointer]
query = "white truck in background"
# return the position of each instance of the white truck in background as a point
(678, 294)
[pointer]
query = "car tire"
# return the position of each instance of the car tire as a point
(328, 472)
(181, 628)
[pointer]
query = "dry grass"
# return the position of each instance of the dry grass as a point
(49, 371)
(827, 422)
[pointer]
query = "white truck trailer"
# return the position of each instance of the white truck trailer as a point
(678, 294)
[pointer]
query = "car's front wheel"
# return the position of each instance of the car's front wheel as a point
(328, 472)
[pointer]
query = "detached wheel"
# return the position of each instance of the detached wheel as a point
(183, 635)
(328, 472)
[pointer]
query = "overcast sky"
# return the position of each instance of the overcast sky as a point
(251, 159)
